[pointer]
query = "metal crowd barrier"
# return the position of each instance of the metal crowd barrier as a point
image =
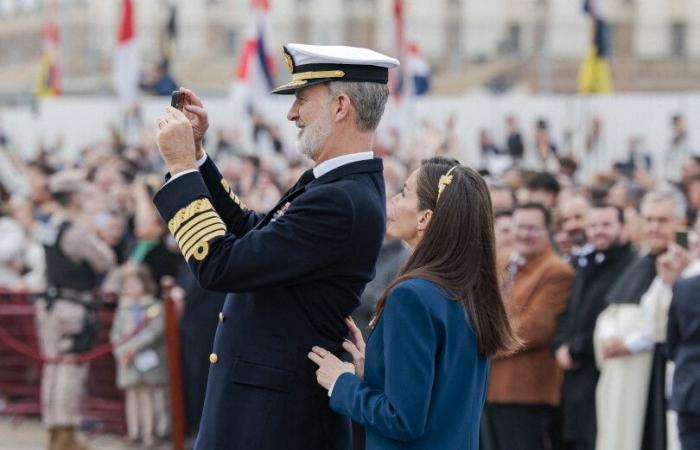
(103, 404)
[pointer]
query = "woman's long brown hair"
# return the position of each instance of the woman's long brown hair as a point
(457, 251)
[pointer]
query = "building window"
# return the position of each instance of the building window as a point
(679, 33)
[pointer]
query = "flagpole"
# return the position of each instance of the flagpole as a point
(544, 68)
(126, 72)
(398, 77)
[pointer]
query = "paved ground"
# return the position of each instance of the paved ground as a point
(29, 435)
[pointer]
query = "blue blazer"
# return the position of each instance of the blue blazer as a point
(683, 344)
(292, 276)
(425, 381)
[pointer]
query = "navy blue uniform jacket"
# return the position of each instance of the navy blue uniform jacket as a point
(425, 380)
(294, 274)
(683, 343)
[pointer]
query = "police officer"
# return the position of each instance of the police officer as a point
(75, 257)
(295, 273)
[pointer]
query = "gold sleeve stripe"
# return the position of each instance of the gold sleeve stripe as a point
(237, 201)
(234, 197)
(180, 217)
(196, 237)
(196, 223)
(186, 246)
(201, 250)
(187, 226)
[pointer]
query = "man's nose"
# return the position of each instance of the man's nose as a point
(293, 113)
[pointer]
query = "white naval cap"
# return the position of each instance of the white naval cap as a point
(314, 64)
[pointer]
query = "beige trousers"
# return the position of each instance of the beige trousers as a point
(62, 385)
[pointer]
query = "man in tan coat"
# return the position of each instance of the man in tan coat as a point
(524, 388)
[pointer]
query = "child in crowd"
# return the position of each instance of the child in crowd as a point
(138, 335)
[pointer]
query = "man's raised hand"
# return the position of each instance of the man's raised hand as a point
(175, 141)
(197, 115)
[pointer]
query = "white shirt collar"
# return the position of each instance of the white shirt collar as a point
(584, 250)
(334, 163)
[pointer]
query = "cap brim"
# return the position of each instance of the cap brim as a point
(293, 86)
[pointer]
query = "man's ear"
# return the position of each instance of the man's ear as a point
(342, 107)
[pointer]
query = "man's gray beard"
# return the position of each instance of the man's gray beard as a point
(313, 138)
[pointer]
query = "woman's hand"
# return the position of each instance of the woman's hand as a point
(329, 366)
(356, 347)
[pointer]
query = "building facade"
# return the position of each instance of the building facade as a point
(467, 41)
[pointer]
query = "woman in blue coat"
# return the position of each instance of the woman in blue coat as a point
(422, 379)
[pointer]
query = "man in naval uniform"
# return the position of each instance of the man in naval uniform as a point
(294, 274)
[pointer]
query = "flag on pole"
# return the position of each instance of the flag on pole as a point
(49, 77)
(125, 64)
(256, 67)
(396, 78)
(594, 75)
(418, 69)
(413, 77)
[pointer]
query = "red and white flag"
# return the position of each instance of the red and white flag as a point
(125, 64)
(413, 77)
(256, 69)
(396, 78)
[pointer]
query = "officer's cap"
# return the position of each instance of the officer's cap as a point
(314, 64)
(67, 182)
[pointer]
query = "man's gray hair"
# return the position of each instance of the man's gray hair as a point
(667, 193)
(369, 100)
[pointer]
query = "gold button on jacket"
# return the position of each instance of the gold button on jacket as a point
(213, 358)
(221, 317)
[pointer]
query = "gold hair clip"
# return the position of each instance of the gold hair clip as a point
(444, 181)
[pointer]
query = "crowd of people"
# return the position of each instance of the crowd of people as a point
(597, 279)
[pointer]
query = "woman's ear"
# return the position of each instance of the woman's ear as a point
(424, 219)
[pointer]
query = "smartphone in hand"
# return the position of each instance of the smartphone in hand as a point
(682, 238)
(177, 100)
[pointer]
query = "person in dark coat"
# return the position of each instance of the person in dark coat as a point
(595, 274)
(683, 345)
(295, 274)
(514, 141)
